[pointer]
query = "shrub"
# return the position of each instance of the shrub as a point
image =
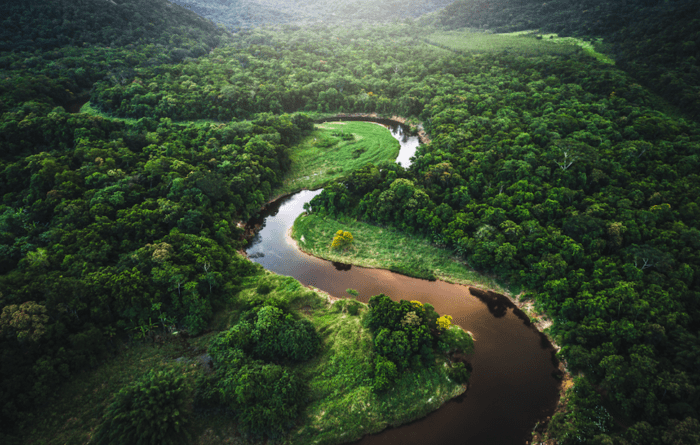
(155, 409)
(342, 239)
(265, 397)
(263, 288)
(277, 335)
(456, 339)
(267, 333)
(353, 307)
(444, 322)
(385, 373)
(459, 373)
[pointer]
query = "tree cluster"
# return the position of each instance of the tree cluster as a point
(250, 377)
(406, 334)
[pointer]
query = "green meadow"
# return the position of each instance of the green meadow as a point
(333, 150)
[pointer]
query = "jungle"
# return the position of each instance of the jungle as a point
(138, 137)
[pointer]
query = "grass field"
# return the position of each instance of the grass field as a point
(384, 248)
(342, 405)
(89, 109)
(524, 43)
(322, 158)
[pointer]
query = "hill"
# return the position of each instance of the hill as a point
(44, 25)
(656, 42)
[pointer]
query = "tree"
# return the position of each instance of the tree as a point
(155, 409)
(24, 322)
(342, 240)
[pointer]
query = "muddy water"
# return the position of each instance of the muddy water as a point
(512, 385)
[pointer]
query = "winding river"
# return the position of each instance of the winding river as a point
(513, 384)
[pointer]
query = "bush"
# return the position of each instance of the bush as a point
(385, 373)
(342, 239)
(265, 397)
(263, 288)
(456, 339)
(277, 335)
(353, 307)
(155, 409)
(266, 333)
(459, 373)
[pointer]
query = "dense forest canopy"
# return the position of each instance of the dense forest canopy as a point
(554, 171)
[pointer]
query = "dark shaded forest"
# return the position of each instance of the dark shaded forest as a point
(553, 172)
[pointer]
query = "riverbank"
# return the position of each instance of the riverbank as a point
(383, 248)
(341, 403)
(378, 247)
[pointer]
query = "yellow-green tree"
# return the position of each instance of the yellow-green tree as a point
(342, 239)
(444, 322)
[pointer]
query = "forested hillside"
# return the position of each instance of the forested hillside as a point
(44, 25)
(238, 14)
(552, 171)
(657, 42)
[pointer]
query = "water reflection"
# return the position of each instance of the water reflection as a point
(341, 266)
(497, 304)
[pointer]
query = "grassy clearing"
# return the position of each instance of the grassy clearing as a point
(384, 248)
(322, 158)
(588, 47)
(524, 43)
(89, 109)
(342, 405)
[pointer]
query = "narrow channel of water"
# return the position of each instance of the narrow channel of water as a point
(512, 385)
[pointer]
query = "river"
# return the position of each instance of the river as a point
(512, 386)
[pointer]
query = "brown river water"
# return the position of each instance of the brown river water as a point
(513, 384)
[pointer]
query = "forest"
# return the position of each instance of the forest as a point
(137, 138)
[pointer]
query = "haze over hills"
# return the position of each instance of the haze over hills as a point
(236, 14)
(574, 179)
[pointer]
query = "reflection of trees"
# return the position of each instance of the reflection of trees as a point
(341, 266)
(497, 304)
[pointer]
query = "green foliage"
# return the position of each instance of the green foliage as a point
(385, 373)
(456, 339)
(155, 409)
(352, 292)
(157, 23)
(404, 334)
(353, 307)
(25, 322)
(266, 398)
(342, 240)
(559, 174)
(459, 373)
